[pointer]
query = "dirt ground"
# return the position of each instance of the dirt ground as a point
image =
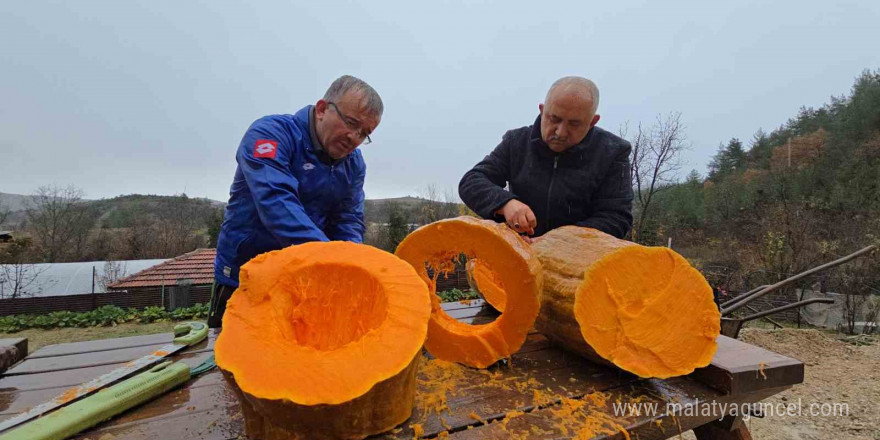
(836, 372)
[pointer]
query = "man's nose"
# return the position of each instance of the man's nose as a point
(560, 131)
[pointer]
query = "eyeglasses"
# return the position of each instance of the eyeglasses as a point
(352, 124)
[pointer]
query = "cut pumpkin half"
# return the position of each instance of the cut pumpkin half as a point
(323, 338)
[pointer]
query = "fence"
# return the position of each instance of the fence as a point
(137, 298)
(820, 315)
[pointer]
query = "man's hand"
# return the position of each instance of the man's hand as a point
(519, 216)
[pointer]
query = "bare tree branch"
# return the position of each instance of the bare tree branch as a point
(656, 160)
(437, 205)
(59, 221)
(4, 213)
(113, 272)
(18, 278)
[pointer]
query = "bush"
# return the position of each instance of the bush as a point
(152, 314)
(457, 295)
(105, 316)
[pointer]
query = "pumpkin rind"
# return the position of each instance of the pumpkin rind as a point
(324, 331)
(504, 252)
(644, 309)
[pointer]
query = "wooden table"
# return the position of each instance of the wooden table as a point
(206, 408)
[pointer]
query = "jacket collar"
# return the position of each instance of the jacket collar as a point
(315, 145)
(537, 141)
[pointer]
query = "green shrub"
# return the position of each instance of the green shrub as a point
(457, 295)
(105, 316)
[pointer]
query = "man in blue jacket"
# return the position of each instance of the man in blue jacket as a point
(299, 178)
(562, 170)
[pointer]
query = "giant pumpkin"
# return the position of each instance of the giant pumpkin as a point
(321, 341)
(499, 250)
(644, 309)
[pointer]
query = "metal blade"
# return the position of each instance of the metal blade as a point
(72, 394)
(186, 334)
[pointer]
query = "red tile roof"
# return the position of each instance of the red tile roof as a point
(197, 266)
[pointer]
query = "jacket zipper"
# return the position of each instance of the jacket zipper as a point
(550, 189)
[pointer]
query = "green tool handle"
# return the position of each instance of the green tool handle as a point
(189, 333)
(104, 404)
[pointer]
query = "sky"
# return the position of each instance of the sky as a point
(153, 97)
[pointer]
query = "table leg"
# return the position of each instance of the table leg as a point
(723, 431)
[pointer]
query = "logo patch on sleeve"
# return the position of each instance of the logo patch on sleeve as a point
(265, 148)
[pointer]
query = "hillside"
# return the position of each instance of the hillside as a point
(805, 193)
(119, 212)
(139, 226)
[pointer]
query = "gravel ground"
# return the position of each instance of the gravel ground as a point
(837, 372)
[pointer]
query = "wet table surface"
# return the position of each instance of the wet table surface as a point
(542, 392)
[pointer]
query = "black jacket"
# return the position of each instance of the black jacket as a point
(587, 185)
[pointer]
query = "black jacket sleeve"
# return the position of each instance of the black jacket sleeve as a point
(482, 188)
(611, 206)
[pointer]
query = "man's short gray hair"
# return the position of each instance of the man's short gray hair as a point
(580, 83)
(347, 83)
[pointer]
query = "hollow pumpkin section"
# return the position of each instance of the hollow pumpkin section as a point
(644, 309)
(321, 340)
(503, 252)
(320, 310)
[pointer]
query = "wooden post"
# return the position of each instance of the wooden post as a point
(94, 298)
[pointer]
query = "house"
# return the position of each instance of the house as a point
(179, 282)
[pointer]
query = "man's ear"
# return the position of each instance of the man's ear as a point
(320, 108)
(541, 108)
(594, 121)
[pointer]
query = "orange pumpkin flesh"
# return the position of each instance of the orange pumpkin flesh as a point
(322, 338)
(500, 249)
(488, 283)
(644, 309)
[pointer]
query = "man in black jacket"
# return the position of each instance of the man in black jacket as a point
(563, 170)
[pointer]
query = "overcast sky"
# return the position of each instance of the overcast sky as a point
(153, 97)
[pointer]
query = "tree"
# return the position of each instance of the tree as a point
(213, 223)
(4, 213)
(102, 245)
(398, 228)
(435, 206)
(138, 235)
(656, 157)
(177, 226)
(113, 272)
(727, 160)
(390, 234)
(60, 222)
(761, 150)
(17, 277)
(682, 205)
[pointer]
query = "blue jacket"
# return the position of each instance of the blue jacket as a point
(287, 191)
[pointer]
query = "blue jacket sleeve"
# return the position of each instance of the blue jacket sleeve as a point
(347, 221)
(274, 188)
